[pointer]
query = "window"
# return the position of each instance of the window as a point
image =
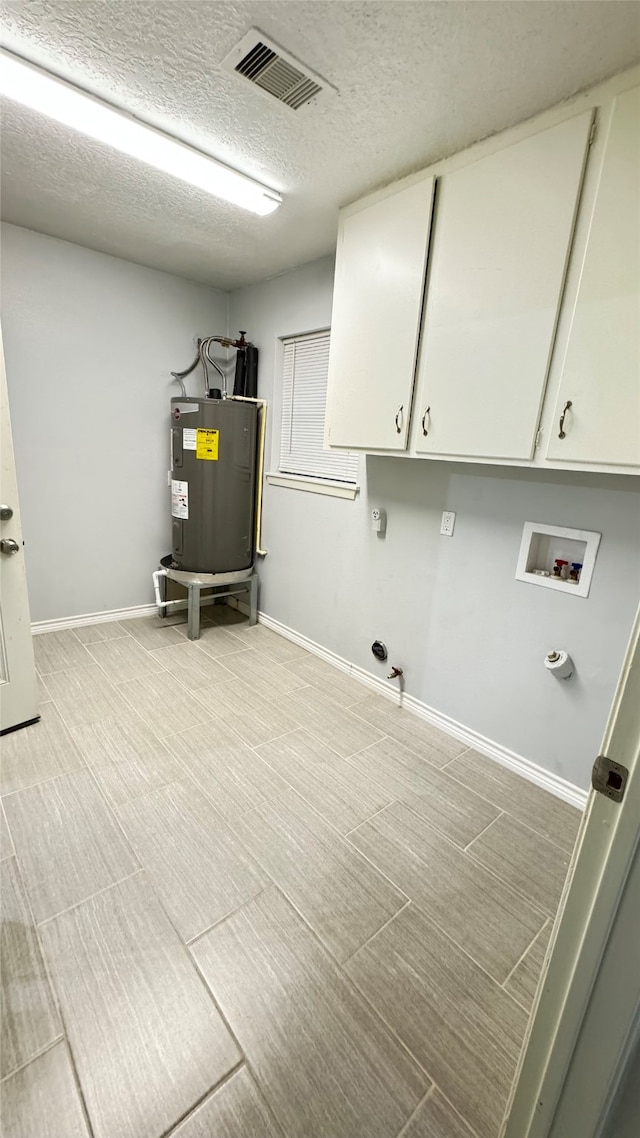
(304, 393)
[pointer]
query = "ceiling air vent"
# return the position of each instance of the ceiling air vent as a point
(274, 71)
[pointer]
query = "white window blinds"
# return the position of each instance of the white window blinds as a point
(304, 393)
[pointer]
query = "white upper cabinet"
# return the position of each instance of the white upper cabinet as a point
(502, 232)
(600, 384)
(377, 303)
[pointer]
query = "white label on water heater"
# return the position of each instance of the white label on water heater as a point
(179, 499)
(188, 438)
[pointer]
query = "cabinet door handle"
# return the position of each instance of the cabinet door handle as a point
(563, 433)
(425, 429)
(399, 418)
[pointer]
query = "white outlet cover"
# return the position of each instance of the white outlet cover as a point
(447, 523)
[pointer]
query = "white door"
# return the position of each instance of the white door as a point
(600, 386)
(586, 1010)
(502, 232)
(18, 691)
(377, 306)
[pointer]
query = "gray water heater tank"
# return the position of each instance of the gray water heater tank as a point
(213, 484)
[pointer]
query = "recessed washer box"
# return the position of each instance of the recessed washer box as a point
(542, 545)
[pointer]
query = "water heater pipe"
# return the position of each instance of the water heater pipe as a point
(202, 358)
(156, 588)
(262, 403)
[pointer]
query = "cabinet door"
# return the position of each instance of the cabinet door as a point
(377, 303)
(601, 369)
(502, 232)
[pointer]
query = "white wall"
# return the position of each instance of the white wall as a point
(470, 637)
(89, 343)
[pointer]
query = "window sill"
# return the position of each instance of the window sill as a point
(314, 485)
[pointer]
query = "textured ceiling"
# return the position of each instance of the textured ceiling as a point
(416, 81)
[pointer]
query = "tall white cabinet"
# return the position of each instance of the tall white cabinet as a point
(502, 234)
(599, 395)
(377, 301)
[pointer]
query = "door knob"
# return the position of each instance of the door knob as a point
(8, 545)
(6, 513)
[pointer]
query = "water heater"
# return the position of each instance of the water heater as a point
(213, 484)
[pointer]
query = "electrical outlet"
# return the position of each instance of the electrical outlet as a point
(447, 523)
(378, 519)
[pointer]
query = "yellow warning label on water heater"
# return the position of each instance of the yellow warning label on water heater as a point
(207, 444)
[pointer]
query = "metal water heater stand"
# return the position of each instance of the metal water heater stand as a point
(221, 584)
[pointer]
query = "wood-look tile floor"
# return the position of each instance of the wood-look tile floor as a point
(244, 898)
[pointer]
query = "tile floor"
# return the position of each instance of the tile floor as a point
(243, 897)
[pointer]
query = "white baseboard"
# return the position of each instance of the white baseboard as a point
(241, 606)
(39, 626)
(574, 795)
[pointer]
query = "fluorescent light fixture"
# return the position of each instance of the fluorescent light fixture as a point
(58, 100)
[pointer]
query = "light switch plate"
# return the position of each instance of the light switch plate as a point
(447, 524)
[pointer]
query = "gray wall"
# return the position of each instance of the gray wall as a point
(470, 637)
(623, 1117)
(89, 343)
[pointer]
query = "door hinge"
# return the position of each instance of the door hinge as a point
(609, 778)
(538, 439)
(592, 132)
